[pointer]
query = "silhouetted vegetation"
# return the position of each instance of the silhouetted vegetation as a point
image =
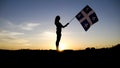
(88, 57)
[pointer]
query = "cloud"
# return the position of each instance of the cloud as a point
(46, 35)
(5, 32)
(29, 26)
(7, 35)
(12, 38)
(6, 24)
(14, 34)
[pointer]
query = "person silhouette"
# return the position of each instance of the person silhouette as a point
(59, 27)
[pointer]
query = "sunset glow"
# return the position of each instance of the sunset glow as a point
(62, 47)
(29, 24)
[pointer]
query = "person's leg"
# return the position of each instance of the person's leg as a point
(57, 41)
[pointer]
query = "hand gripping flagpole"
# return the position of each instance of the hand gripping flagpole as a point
(71, 19)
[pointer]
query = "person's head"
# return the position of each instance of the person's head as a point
(57, 18)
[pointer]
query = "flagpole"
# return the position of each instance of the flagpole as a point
(71, 19)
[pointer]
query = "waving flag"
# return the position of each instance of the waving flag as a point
(87, 17)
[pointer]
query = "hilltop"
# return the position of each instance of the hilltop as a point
(89, 56)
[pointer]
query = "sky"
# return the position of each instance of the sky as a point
(29, 24)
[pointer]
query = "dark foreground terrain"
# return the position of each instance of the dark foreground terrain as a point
(77, 58)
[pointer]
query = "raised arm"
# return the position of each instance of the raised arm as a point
(66, 25)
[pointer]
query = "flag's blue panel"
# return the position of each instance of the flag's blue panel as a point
(79, 16)
(93, 18)
(85, 25)
(87, 9)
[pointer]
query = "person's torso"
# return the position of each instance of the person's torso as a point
(59, 27)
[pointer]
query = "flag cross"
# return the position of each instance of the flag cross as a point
(87, 17)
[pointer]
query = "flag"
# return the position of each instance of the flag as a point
(87, 17)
